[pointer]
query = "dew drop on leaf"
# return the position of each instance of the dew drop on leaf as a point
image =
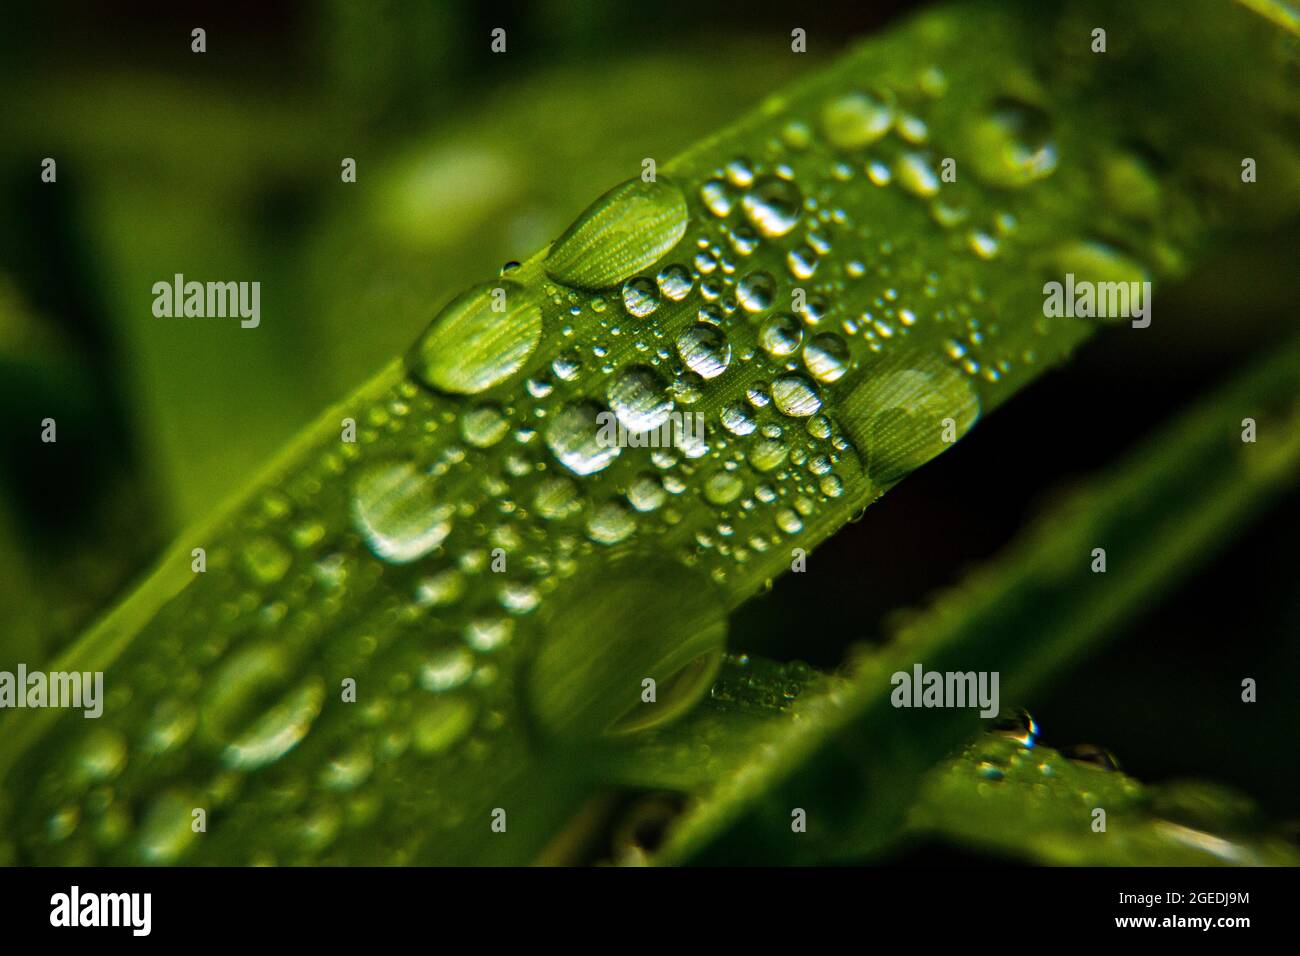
(773, 205)
(629, 228)
(396, 509)
(575, 439)
(479, 339)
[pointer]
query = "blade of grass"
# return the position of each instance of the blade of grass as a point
(1158, 516)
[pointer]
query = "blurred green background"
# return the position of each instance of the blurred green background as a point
(226, 165)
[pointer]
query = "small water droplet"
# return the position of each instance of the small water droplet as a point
(756, 291)
(773, 206)
(640, 296)
(483, 425)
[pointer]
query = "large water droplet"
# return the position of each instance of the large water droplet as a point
(826, 357)
(906, 410)
(166, 831)
(483, 426)
(278, 730)
(479, 339)
(1110, 277)
(915, 175)
(629, 228)
(605, 634)
(396, 509)
(576, 438)
(1011, 146)
(855, 119)
(795, 396)
(717, 198)
(675, 282)
(638, 398)
(611, 522)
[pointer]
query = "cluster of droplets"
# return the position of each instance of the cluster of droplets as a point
(712, 345)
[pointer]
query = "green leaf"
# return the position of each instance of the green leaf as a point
(1028, 616)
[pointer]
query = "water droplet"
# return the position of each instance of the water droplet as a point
(479, 339)
(640, 296)
(646, 493)
(100, 756)
(483, 426)
(723, 487)
(802, 262)
(170, 726)
(348, 771)
(1011, 146)
(1015, 724)
(486, 634)
(446, 669)
(440, 723)
(781, 335)
(611, 522)
(266, 560)
(629, 228)
(278, 730)
(738, 419)
(396, 509)
(580, 688)
(795, 396)
(675, 282)
(756, 291)
(557, 497)
(166, 833)
(788, 521)
(768, 454)
(705, 350)
(574, 436)
(855, 119)
(1099, 264)
(1090, 755)
(908, 409)
(638, 398)
(773, 206)
(440, 590)
(739, 172)
(915, 175)
(826, 357)
(717, 198)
